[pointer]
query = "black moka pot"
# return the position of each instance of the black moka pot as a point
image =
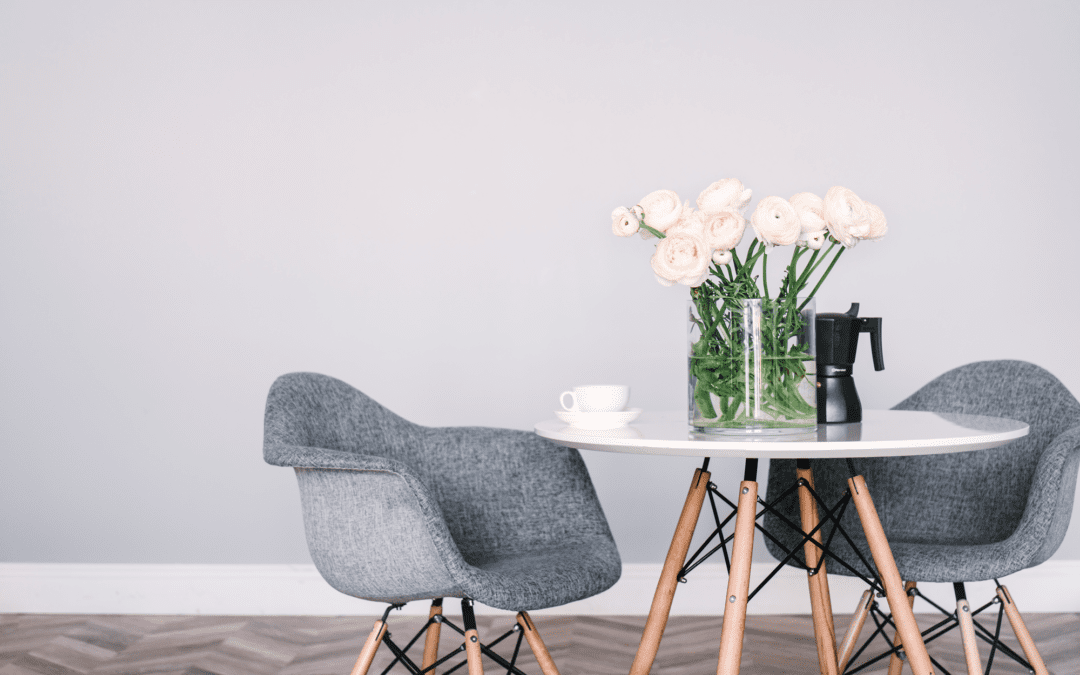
(837, 339)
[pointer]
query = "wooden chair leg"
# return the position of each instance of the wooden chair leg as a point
(536, 643)
(367, 654)
(472, 638)
(847, 647)
(1031, 653)
(906, 626)
(742, 550)
(820, 602)
(431, 640)
(967, 637)
(896, 664)
(669, 577)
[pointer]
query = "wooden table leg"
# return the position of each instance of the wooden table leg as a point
(669, 577)
(906, 627)
(738, 588)
(820, 602)
(896, 664)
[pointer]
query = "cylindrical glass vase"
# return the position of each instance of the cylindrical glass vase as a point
(752, 366)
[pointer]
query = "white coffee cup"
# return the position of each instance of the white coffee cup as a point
(596, 398)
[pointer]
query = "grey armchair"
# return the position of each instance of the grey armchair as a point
(394, 511)
(964, 517)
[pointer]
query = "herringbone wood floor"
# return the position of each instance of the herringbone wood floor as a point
(205, 645)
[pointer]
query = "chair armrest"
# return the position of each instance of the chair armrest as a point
(512, 487)
(297, 456)
(377, 534)
(1053, 488)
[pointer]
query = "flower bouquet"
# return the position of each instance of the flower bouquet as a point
(751, 351)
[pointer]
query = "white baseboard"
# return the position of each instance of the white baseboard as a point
(57, 588)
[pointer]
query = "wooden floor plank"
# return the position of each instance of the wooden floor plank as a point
(581, 645)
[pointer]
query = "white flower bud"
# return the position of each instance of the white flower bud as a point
(721, 257)
(624, 222)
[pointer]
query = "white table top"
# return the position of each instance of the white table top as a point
(882, 433)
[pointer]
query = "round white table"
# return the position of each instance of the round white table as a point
(881, 433)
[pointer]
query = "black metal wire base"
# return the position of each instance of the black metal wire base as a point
(883, 620)
(401, 653)
(831, 514)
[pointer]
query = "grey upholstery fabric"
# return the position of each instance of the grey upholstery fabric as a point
(395, 511)
(968, 516)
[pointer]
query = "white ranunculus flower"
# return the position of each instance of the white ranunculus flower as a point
(682, 256)
(624, 222)
(775, 222)
(689, 221)
(665, 282)
(721, 257)
(723, 229)
(662, 209)
(846, 216)
(816, 240)
(726, 194)
(811, 211)
(878, 228)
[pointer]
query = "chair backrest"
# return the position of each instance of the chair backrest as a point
(499, 489)
(317, 411)
(963, 498)
(974, 497)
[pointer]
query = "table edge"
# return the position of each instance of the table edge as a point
(788, 449)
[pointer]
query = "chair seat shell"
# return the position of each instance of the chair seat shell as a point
(968, 516)
(394, 511)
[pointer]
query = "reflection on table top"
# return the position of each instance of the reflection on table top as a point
(882, 433)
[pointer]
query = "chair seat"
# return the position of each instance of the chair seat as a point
(937, 563)
(526, 581)
(548, 578)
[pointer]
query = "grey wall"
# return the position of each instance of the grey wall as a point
(198, 197)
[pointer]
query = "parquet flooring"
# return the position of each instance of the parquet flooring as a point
(594, 645)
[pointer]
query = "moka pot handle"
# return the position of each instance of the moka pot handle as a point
(873, 326)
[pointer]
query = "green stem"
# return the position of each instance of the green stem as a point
(744, 278)
(823, 277)
(786, 287)
(765, 274)
(802, 277)
(656, 233)
(810, 269)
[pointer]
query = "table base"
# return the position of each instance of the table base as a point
(677, 566)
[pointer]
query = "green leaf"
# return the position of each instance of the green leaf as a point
(704, 403)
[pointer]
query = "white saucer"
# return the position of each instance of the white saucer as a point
(598, 420)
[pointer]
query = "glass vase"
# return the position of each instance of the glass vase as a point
(752, 366)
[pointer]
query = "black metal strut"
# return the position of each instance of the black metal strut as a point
(469, 620)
